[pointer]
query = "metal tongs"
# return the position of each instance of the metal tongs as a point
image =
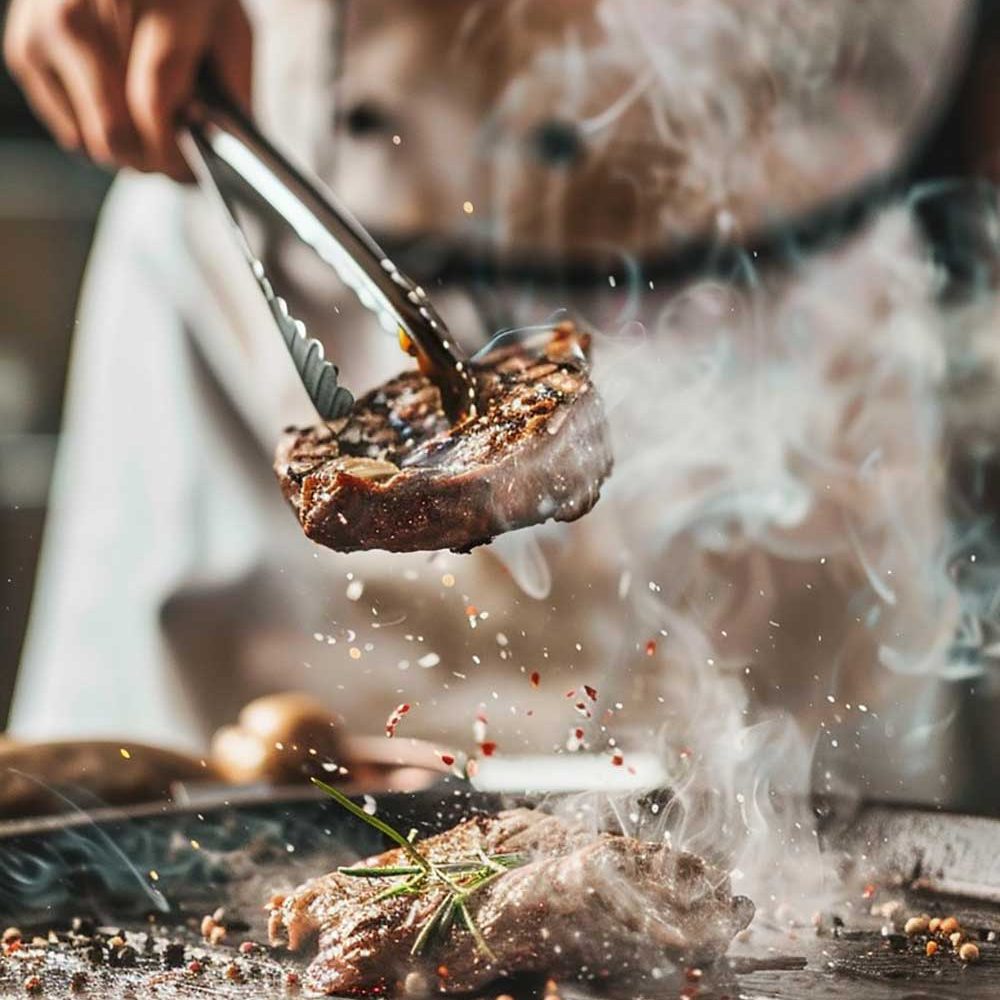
(217, 137)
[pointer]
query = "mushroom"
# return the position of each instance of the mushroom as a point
(277, 738)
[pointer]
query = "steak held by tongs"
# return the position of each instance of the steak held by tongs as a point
(447, 457)
(399, 474)
(569, 904)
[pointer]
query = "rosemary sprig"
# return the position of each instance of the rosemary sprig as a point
(384, 828)
(456, 880)
(495, 862)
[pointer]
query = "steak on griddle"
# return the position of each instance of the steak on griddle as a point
(397, 475)
(583, 906)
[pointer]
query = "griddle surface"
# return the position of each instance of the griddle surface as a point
(100, 867)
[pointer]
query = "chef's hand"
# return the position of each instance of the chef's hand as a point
(110, 76)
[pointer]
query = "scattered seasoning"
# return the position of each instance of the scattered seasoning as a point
(292, 980)
(480, 725)
(969, 952)
(125, 754)
(617, 759)
(591, 692)
(651, 647)
(234, 973)
(931, 949)
(173, 955)
(249, 947)
(33, 984)
(446, 758)
(78, 982)
(194, 966)
(536, 679)
(869, 891)
(395, 717)
(488, 749)
(415, 985)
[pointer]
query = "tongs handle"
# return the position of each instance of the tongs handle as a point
(220, 128)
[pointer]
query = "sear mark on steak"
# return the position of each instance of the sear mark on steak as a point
(396, 475)
(605, 907)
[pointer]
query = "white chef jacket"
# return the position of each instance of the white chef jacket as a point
(759, 550)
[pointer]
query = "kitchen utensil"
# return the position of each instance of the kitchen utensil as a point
(219, 141)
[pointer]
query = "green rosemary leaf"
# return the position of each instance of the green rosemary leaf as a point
(408, 888)
(430, 926)
(485, 879)
(513, 860)
(387, 872)
(473, 929)
(383, 827)
(447, 918)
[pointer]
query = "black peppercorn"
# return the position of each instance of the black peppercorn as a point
(123, 957)
(173, 955)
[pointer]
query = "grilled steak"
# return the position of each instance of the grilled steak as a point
(397, 475)
(605, 907)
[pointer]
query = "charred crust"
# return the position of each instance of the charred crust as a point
(397, 475)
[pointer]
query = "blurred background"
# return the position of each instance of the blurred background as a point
(49, 204)
(48, 208)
